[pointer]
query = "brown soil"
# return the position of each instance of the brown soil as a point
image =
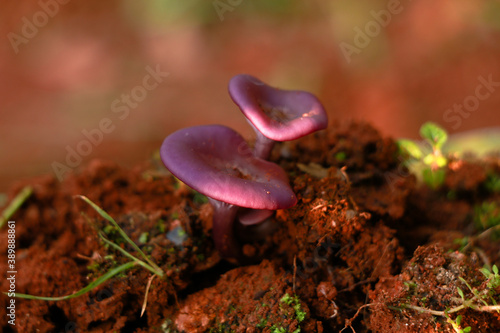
(363, 243)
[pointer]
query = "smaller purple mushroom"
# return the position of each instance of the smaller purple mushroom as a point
(211, 160)
(276, 114)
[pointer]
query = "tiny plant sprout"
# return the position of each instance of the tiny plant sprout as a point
(434, 161)
(276, 114)
(216, 161)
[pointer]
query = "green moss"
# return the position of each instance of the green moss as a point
(161, 226)
(113, 234)
(340, 156)
(221, 328)
(287, 299)
(294, 302)
(93, 267)
(275, 329)
(262, 323)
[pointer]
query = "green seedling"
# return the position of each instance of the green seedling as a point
(492, 277)
(146, 262)
(427, 163)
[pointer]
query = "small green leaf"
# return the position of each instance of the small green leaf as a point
(459, 318)
(143, 238)
(429, 159)
(467, 329)
(461, 293)
(410, 147)
(495, 269)
(434, 134)
(441, 161)
(486, 272)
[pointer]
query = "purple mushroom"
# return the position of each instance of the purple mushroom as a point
(217, 162)
(276, 114)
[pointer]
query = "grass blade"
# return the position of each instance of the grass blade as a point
(139, 262)
(106, 216)
(15, 204)
(94, 284)
(117, 247)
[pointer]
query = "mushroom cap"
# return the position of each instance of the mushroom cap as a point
(280, 115)
(217, 162)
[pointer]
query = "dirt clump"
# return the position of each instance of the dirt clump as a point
(363, 245)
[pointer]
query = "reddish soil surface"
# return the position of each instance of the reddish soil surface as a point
(364, 245)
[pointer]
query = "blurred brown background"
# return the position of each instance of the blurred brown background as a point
(67, 66)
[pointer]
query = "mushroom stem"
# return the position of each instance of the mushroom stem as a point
(223, 229)
(255, 232)
(263, 145)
